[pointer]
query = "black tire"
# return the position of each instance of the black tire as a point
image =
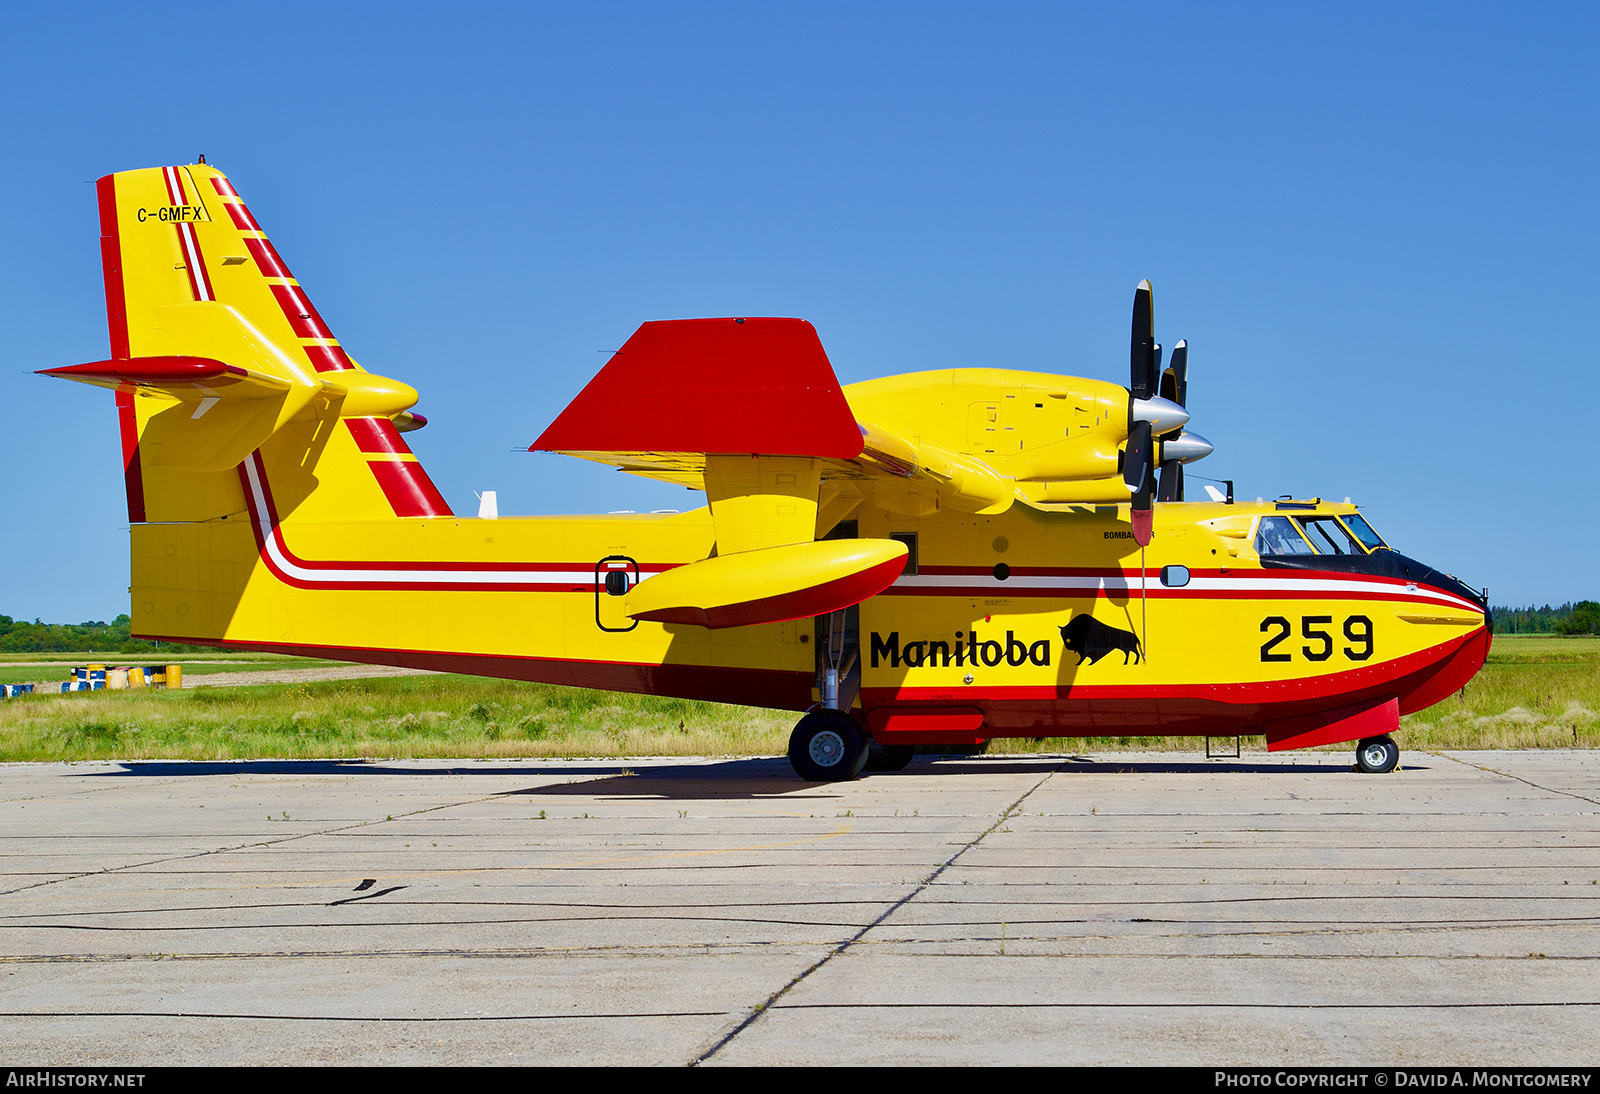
(827, 746)
(889, 757)
(1377, 755)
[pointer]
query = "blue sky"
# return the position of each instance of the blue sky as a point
(1375, 224)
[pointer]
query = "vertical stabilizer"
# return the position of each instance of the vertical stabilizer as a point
(217, 351)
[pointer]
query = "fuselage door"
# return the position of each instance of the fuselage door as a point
(614, 575)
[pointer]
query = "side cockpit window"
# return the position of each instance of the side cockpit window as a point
(1278, 536)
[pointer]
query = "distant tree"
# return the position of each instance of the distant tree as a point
(1583, 619)
(42, 637)
(1529, 620)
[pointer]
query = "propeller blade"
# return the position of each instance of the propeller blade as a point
(1136, 460)
(1175, 379)
(1143, 372)
(1171, 482)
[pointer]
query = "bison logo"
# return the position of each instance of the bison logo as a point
(1091, 640)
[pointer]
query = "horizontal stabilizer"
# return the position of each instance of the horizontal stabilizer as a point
(214, 413)
(168, 372)
(770, 585)
(726, 386)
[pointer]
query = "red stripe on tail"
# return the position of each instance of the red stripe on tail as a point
(409, 490)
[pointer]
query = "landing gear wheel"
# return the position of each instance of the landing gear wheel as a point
(889, 757)
(1377, 755)
(827, 746)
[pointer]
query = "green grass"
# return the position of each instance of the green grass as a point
(421, 716)
(1535, 692)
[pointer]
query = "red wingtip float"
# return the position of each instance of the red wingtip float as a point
(934, 558)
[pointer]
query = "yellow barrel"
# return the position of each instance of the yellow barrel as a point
(174, 676)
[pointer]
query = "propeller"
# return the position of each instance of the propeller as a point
(1156, 415)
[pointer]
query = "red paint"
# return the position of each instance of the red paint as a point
(769, 688)
(303, 318)
(328, 358)
(148, 370)
(267, 258)
(1143, 524)
(132, 467)
(377, 435)
(1373, 718)
(409, 490)
(405, 484)
(926, 725)
(117, 329)
(223, 187)
(821, 599)
(241, 217)
(715, 386)
(111, 266)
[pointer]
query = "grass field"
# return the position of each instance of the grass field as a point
(1535, 692)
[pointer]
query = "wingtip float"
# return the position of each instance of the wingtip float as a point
(935, 558)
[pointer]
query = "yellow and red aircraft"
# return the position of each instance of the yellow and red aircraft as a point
(936, 558)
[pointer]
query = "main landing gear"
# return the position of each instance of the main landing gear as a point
(827, 746)
(1377, 755)
(889, 757)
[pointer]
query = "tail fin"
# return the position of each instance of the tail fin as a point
(217, 352)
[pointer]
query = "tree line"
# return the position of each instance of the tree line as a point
(1580, 618)
(97, 635)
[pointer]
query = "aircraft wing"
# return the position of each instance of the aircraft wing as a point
(682, 394)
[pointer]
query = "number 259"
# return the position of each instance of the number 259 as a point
(1319, 643)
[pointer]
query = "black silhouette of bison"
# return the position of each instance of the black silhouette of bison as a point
(1091, 640)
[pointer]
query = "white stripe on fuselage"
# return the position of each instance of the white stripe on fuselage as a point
(1090, 584)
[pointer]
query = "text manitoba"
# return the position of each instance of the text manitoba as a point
(964, 649)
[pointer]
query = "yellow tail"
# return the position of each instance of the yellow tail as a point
(218, 352)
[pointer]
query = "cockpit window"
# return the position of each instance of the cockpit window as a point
(1328, 536)
(1278, 536)
(1363, 531)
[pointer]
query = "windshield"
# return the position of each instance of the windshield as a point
(1363, 532)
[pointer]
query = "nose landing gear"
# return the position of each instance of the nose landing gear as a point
(1377, 755)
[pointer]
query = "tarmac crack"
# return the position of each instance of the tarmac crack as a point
(337, 830)
(1518, 778)
(776, 997)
